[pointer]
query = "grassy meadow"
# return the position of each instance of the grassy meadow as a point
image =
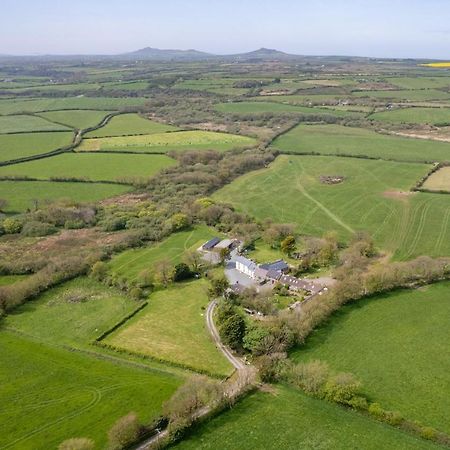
(373, 197)
(6, 280)
(288, 419)
(432, 116)
(76, 118)
(397, 345)
(173, 328)
(339, 140)
(163, 142)
(58, 394)
(18, 105)
(21, 195)
(15, 146)
(129, 124)
(27, 123)
(75, 313)
(406, 96)
(439, 181)
(131, 263)
(421, 82)
(261, 107)
(91, 166)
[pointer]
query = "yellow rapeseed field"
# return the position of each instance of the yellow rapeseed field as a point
(437, 65)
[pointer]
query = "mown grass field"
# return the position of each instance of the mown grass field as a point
(57, 394)
(129, 124)
(220, 86)
(163, 142)
(91, 166)
(75, 313)
(432, 116)
(288, 419)
(173, 328)
(273, 107)
(340, 140)
(76, 118)
(131, 263)
(406, 95)
(21, 195)
(24, 124)
(439, 181)
(370, 199)
(15, 146)
(397, 345)
(14, 106)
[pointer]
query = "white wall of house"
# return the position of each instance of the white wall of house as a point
(244, 269)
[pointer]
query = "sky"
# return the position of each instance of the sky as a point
(378, 28)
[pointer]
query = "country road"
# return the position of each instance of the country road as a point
(240, 368)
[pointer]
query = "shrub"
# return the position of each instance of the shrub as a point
(124, 432)
(271, 367)
(232, 330)
(12, 226)
(376, 410)
(77, 444)
(38, 229)
(99, 270)
(179, 221)
(182, 272)
(428, 433)
(311, 377)
(342, 388)
(114, 224)
(136, 293)
(254, 339)
(74, 224)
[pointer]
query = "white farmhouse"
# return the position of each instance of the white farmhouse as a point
(245, 266)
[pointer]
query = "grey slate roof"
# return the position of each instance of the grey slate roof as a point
(246, 262)
(211, 243)
(277, 265)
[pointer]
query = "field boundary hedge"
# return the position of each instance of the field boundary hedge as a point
(419, 185)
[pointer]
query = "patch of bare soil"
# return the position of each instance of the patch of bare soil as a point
(431, 133)
(398, 195)
(331, 179)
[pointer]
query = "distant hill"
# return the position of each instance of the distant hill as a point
(264, 54)
(158, 54)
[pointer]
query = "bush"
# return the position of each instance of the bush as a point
(38, 229)
(136, 293)
(12, 226)
(342, 388)
(271, 367)
(232, 331)
(77, 444)
(114, 224)
(99, 270)
(124, 432)
(179, 222)
(254, 339)
(428, 433)
(182, 272)
(311, 377)
(74, 224)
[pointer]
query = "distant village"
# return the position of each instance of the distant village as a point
(267, 274)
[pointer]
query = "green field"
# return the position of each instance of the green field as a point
(6, 280)
(306, 98)
(340, 140)
(432, 116)
(129, 124)
(57, 394)
(76, 118)
(15, 146)
(163, 142)
(13, 106)
(407, 96)
(370, 199)
(288, 419)
(420, 82)
(131, 263)
(173, 328)
(91, 166)
(397, 345)
(127, 86)
(220, 86)
(439, 181)
(273, 107)
(21, 195)
(24, 124)
(74, 313)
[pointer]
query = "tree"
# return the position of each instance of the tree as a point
(179, 222)
(146, 278)
(288, 245)
(232, 331)
(99, 270)
(224, 254)
(193, 259)
(254, 339)
(182, 272)
(12, 226)
(164, 272)
(77, 444)
(218, 286)
(124, 432)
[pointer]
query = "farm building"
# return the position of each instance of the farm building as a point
(225, 244)
(208, 246)
(245, 266)
(279, 266)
